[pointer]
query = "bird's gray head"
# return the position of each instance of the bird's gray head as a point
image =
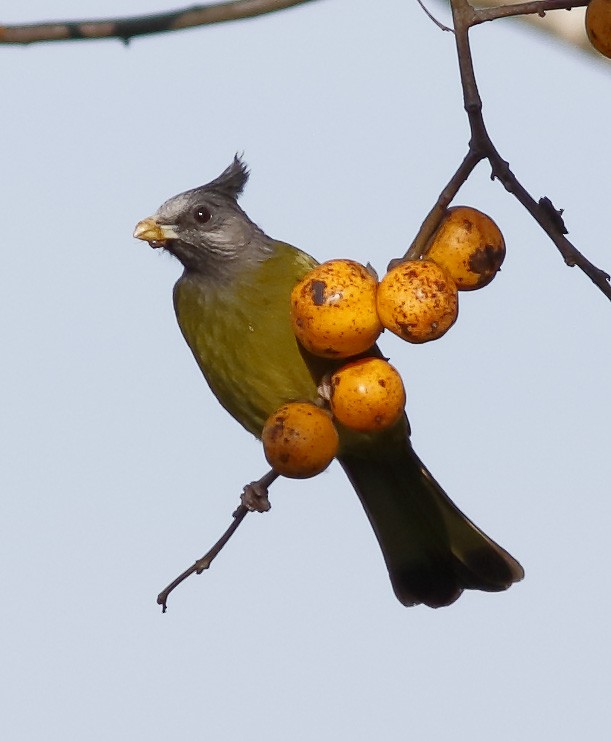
(205, 228)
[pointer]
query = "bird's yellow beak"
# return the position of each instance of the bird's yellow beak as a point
(155, 234)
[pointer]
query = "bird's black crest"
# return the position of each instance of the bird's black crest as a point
(231, 181)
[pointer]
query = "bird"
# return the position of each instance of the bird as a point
(232, 303)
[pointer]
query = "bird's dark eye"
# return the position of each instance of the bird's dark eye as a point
(201, 214)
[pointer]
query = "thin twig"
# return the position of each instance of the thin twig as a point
(142, 25)
(204, 562)
(548, 221)
(433, 219)
(439, 24)
(257, 489)
(538, 7)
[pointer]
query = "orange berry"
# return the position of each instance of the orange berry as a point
(470, 246)
(367, 395)
(598, 25)
(333, 309)
(299, 440)
(418, 301)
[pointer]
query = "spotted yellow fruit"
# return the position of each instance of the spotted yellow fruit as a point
(299, 440)
(470, 246)
(417, 300)
(598, 25)
(333, 309)
(367, 395)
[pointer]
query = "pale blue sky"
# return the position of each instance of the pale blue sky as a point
(118, 468)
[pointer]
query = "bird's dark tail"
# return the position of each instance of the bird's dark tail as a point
(432, 551)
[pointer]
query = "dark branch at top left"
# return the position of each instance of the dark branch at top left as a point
(127, 28)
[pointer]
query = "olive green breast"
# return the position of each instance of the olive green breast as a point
(240, 334)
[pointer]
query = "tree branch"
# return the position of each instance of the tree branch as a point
(254, 499)
(435, 216)
(482, 147)
(126, 28)
(537, 7)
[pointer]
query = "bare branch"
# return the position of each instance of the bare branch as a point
(435, 216)
(439, 24)
(566, 28)
(481, 147)
(254, 498)
(126, 28)
(537, 7)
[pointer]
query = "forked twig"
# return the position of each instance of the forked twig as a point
(481, 147)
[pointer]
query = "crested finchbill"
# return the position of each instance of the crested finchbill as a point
(232, 306)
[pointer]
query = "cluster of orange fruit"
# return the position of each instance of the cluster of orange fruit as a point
(598, 25)
(338, 312)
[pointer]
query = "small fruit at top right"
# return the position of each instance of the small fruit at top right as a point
(469, 245)
(598, 25)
